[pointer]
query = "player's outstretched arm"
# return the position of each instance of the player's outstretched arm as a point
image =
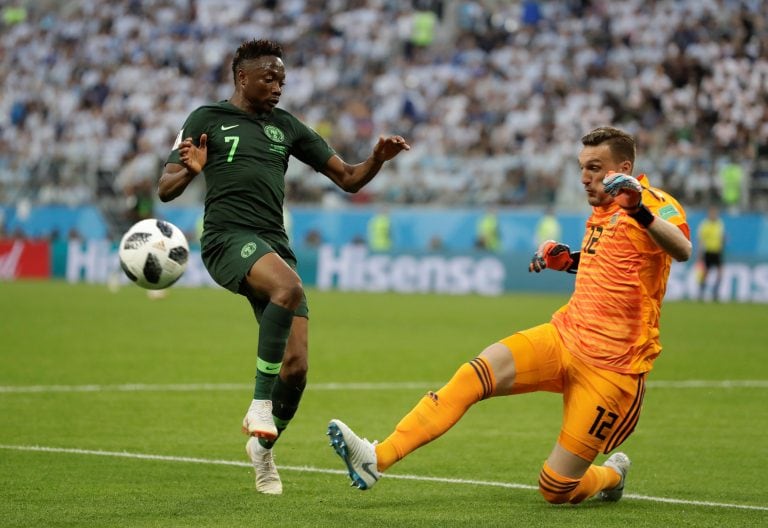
(352, 178)
(555, 256)
(175, 176)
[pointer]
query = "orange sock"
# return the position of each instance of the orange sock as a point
(597, 478)
(437, 412)
(554, 487)
(558, 489)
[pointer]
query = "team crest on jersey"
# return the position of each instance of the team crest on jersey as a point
(274, 133)
(248, 249)
(614, 219)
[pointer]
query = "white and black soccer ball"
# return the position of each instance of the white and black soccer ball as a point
(154, 253)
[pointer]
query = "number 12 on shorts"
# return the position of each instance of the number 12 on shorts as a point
(604, 420)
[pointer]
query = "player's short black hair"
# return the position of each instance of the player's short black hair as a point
(253, 49)
(622, 145)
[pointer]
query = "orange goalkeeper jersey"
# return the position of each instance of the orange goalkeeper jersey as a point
(612, 318)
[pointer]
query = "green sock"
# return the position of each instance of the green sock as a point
(285, 402)
(274, 328)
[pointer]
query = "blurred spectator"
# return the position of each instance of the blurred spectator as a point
(141, 201)
(711, 239)
(380, 231)
(313, 239)
(74, 234)
(731, 181)
(136, 182)
(759, 184)
(14, 15)
(435, 244)
(494, 96)
(423, 22)
(488, 232)
(548, 227)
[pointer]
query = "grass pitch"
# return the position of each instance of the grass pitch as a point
(117, 410)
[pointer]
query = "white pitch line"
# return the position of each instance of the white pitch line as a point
(126, 387)
(310, 469)
(708, 384)
(351, 386)
(200, 387)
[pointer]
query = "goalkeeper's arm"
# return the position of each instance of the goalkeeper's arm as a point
(555, 256)
(628, 193)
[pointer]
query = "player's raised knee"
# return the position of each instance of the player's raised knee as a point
(289, 294)
(295, 292)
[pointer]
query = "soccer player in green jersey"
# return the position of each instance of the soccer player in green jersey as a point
(242, 146)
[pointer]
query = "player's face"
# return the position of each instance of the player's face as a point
(261, 83)
(595, 162)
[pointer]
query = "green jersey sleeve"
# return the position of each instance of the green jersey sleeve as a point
(195, 125)
(310, 147)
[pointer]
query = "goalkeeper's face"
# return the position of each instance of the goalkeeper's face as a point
(595, 162)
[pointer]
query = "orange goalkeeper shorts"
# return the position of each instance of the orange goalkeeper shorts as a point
(600, 407)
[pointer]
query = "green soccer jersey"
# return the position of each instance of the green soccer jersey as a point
(247, 160)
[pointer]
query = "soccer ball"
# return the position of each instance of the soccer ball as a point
(153, 253)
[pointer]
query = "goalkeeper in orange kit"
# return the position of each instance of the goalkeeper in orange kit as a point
(621, 269)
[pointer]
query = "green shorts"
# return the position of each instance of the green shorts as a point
(229, 256)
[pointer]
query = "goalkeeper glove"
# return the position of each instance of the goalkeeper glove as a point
(627, 192)
(552, 255)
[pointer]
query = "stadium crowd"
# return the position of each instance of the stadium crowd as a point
(492, 95)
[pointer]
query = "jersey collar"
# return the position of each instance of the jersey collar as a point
(259, 116)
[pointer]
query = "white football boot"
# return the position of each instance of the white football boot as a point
(620, 463)
(258, 420)
(358, 454)
(267, 478)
